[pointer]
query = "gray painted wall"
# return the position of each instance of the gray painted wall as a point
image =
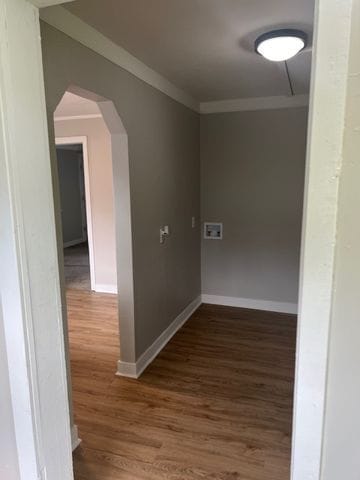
(164, 175)
(252, 176)
(70, 194)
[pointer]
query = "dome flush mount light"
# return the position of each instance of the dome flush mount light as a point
(280, 45)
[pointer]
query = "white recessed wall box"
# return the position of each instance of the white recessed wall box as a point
(213, 231)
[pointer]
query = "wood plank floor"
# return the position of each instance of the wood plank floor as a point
(215, 404)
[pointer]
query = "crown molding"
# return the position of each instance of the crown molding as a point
(255, 103)
(74, 27)
(63, 20)
(77, 117)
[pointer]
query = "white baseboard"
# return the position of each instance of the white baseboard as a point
(270, 306)
(71, 243)
(134, 370)
(75, 440)
(126, 369)
(102, 288)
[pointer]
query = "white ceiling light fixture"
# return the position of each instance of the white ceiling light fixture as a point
(280, 45)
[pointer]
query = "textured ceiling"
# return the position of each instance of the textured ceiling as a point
(205, 47)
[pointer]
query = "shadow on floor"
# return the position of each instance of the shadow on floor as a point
(77, 267)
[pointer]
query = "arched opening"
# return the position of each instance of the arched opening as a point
(95, 244)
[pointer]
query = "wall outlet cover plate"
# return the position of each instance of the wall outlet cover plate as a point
(213, 231)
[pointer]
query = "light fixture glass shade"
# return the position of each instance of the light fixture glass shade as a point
(280, 45)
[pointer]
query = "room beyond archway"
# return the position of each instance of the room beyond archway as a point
(93, 207)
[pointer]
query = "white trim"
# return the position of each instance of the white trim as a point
(123, 227)
(71, 243)
(82, 195)
(29, 280)
(83, 141)
(122, 219)
(74, 27)
(134, 370)
(75, 440)
(48, 3)
(324, 157)
(268, 305)
(255, 103)
(126, 369)
(88, 116)
(63, 20)
(102, 288)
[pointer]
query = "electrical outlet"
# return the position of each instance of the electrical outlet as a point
(193, 222)
(164, 232)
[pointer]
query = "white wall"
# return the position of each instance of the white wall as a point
(325, 154)
(29, 280)
(9, 469)
(101, 194)
(341, 453)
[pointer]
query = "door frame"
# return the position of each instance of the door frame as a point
(82, 140)
(30, 297)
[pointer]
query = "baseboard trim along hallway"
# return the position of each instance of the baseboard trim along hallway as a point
(269, 306)
(101, 288)
(134, 370)
(75, 440)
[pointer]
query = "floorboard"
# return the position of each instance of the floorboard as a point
(215, 404)
(77, 267)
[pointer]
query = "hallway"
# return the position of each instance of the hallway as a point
(77, 267)
(215, 404)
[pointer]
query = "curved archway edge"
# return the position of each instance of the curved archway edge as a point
(123, 224)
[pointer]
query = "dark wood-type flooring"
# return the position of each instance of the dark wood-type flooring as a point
(215, 404)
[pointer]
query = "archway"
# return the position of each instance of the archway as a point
(123, 235)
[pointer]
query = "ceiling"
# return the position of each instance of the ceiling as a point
(72, 105)
(205, 47)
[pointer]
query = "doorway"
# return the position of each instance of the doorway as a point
(75, 205)
(89, 153)
(86, 211)
(317, 263)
